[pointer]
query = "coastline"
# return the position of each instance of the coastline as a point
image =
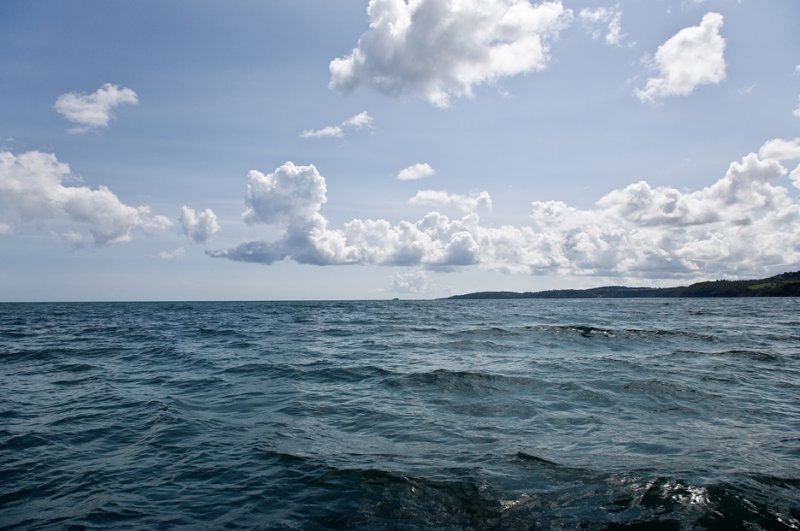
(783, 285)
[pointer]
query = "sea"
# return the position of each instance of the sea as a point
(442, 414)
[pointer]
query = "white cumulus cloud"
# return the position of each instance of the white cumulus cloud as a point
(32, 192)
(744, 223)
(291, 196)
(692, 57)
(358, 121)
(416, 171)
(198, 227)
(601, 20)
(93, 111)
(440, 198)
(783, 150)
(780, 149)
(440, 49)
(796, 111)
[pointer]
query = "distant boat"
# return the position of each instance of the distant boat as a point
(396, 299)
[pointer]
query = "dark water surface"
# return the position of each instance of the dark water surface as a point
(595, 414)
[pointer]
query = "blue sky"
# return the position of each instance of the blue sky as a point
(251, 150)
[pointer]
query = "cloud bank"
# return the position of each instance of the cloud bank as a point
(93, 111)
(32, 192)
(744, 223)
(692, 57)
(440, 49)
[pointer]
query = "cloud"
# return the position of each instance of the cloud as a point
(416, 171)
(747, 90)
(32, 192)
(745, 223)
(608, 19)
(795, 177)
(198, 227)
(780, 149)
(93, 111)
(692, 57)
(414, 282)
(362, 119)
(330, 131)
(358, 121)
(440, 198)
(72, 238)
(290, 199)
(440, 49)
(291, 196)
(180, 252)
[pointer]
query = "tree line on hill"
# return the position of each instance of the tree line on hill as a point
(783, 285)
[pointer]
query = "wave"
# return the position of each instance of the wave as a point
(21, 442)
(339, 332)
(76, 367)
(656, 388)
(318, 372)
(368, 498)
(17, 334)
(462, 345)
(543, 495)
(55, 353)
(492, 331)
(215, 332)
(522, 456)
(592, 331)
(640, 500)
(470, 382)
(424, 329)
(741, 354)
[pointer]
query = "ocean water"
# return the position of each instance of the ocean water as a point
(566, 414)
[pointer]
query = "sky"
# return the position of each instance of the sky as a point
(354, 149)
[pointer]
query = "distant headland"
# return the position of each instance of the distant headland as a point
(784, 285)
